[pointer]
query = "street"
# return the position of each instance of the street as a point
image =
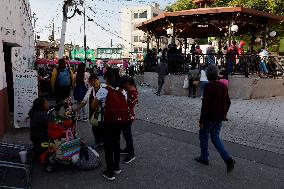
(164, 159)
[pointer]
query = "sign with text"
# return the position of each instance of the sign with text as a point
(25, 92)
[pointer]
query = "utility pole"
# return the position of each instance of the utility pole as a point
(63, 29)
(85, 38)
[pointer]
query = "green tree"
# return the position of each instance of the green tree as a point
(271, 6)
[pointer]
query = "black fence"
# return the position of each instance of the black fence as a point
(180, 64)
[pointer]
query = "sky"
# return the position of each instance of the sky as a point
(107, 14)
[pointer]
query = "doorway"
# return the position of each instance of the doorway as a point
(9, 75)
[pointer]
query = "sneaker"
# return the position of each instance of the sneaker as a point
(129, 159)
(117, 172)
(199, 160)
(84, 119)
(230, 164)
(123, 152)
(109, 175)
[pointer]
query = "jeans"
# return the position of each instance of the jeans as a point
(212, 128)
(83, 111)
(111, 140)
(230, 66)
(262, 67)
(127, 134)
(202, 85)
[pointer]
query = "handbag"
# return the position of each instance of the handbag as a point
(94, 120)
(195, 82)
(71, 147)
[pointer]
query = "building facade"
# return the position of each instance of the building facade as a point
(16, 51)
(133, 38)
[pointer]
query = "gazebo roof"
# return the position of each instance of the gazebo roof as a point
(219, 16)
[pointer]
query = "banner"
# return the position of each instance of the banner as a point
(25, 92)
(79, 54)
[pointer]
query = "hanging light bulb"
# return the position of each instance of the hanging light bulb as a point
(272, 34)
(234, 28)
(170, 31)
(257, 40)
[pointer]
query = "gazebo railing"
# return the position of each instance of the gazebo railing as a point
(180, 63)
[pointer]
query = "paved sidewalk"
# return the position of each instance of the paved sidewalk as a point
(255, 123)
(165, 160)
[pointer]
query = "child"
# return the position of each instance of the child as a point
(89, 97)
(38, 124)
(129, 85)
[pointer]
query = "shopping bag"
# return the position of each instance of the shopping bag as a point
(185, 83)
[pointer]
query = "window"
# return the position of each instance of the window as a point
(155, 14)
(140, 49)
(136, 39)
(135, 15)
(143, 14)
(135, 49)
(144, 50)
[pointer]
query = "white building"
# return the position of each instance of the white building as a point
(16, 50)
(133, 38)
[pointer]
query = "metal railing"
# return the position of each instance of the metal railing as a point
(180, 63)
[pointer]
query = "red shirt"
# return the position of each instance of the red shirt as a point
(216, 102)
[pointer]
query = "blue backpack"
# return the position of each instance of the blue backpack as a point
(63, 78)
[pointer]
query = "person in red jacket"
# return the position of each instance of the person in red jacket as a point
(215, 105)
(128, 84)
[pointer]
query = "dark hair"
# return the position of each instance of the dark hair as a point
(61, 61)
(127, 80)
(93, 77)
(37, 105)
(212, 72)
(112, 77)
(210, 43)
(80, 74)
(234, 42)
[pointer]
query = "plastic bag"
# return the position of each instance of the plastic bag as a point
(185, 83)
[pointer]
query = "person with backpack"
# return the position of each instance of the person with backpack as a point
(113, 100)
(89, 97)
(80, 90)
(62, 81)
(128, 84)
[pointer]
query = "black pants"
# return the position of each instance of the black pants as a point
(62, 93)
(111, 139)
(98, 133)
(191, 87)
(246, 68)
(161, 80)
(127, 135)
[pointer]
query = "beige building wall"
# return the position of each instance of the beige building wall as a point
(131, 17)
(17, 38)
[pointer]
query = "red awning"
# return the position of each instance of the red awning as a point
(45, 61)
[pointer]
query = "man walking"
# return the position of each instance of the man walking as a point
(162, 72)
(62, 81)
(215, 105)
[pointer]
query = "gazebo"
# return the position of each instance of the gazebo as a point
(220, 22)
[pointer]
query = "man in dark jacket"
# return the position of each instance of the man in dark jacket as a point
(162, 72)
(215, 105)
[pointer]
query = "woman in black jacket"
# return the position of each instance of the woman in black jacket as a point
(38, 124)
